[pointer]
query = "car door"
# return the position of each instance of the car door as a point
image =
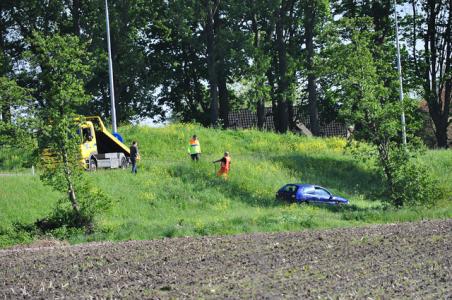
(88, 145)
(310, 195)
(323, 195)
(288, 192)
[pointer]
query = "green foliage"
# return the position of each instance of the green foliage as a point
(13, 159)
(426, 33)
(414, 184)
(160, 61)
(15, 128)
(63, 68)
(61, 64)
(13, 236)
(373, 108)
(91, 201)
(65, 219)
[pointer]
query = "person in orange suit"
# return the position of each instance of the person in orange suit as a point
(225, 165)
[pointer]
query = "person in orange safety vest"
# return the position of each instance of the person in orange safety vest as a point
(225, 165)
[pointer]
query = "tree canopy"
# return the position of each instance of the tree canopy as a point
(197, 60)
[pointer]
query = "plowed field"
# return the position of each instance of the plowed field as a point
(409, 260)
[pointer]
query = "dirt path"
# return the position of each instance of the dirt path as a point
(410, 260)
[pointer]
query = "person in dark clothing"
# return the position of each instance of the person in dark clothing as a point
(134, 156)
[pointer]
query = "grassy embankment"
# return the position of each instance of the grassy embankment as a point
(172, 196)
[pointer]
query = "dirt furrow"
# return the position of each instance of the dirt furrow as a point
(408, 260)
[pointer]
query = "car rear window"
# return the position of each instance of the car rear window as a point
(290, 188)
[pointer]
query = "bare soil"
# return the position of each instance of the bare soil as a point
(409, 260)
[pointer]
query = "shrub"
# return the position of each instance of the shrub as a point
(17, 234)
(91, 202)
(414, 185)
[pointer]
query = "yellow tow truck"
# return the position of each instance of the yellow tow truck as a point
(100, 148)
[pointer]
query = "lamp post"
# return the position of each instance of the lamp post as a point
(110, 72)
(399, 67)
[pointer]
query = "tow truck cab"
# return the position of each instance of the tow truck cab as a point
(99, 148)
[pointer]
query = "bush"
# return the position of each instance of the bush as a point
(414, 185)
(12, 159)
(17, 234)
(408, 181)
(92, 202)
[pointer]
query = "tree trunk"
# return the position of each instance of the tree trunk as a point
(223, 95)
(441, 133)
(271, 82)
(222, 76)
(414, 44)
(291, 115)
(260, 105)
(70, 185)
(309, 24)
(213, 83)
(437, 88)
(260, 113)
(283, 116)
(76, 17)
(448, 82)
(381, 12)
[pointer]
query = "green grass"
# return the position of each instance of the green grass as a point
(173, 196)
(23, 200)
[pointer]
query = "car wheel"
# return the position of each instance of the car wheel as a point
(338, 203)
(92, 165)
(124, 163)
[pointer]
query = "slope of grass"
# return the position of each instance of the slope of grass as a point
(173, 196)
(23, 200)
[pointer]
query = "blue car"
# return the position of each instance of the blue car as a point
(308, 193)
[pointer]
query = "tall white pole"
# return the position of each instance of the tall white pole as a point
(399, 67)
(110, 72)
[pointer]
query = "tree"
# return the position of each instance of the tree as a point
(176, 61)
(282, 25)
(15, 128)
(5, 63)
(260, 63)
(183, 56)
(86, 20)
(211, 7)
(314, 13)
(61, 68)
(230, 62)
(368, 101)
(430, 26)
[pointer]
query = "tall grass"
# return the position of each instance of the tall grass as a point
(173, 196)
